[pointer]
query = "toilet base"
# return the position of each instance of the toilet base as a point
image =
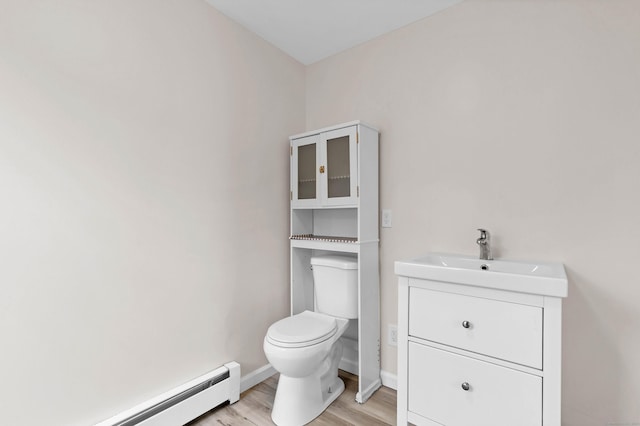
(300, 400)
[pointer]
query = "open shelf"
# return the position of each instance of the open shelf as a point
(323, 242)
(330, 239)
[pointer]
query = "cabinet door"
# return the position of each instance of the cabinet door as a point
(339, 170)
(305, 158)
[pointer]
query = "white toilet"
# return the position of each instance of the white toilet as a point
(305, 348)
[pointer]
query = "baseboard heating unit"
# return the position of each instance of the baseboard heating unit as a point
(184, 403)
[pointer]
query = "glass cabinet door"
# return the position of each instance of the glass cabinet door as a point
(305, 187)
(340, 175)
(324, 169)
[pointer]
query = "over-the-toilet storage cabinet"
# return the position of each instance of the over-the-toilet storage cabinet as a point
(334, 210)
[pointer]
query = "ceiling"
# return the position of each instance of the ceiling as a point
(311, 30)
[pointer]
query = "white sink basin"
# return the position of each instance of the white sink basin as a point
(547, 279)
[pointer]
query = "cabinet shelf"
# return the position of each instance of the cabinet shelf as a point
(329, 178)
(326, 238)
(335, 245)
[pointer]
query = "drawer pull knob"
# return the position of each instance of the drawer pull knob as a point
(466, 324)
(465, 386)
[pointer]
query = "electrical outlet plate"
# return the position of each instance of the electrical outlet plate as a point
(386, 218)
(392, 337)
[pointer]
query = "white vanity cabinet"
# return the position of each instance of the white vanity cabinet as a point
(334, 210)
(478, 354)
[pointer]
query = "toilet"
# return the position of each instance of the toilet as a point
(305, 348)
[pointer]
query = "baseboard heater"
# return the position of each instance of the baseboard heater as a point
(184, 403)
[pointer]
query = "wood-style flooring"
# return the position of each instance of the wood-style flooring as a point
(254, 407)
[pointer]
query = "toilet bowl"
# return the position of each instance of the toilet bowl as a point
(308, 365)
(305, 348)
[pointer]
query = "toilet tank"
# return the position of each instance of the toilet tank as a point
(335, 280)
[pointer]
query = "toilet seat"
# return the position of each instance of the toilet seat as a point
(305, 329)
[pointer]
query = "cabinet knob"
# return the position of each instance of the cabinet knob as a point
(466, 324)
(321, 169)
(466, 386)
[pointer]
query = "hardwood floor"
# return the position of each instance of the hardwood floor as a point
(254, 408)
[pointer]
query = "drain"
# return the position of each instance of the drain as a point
(484, 267)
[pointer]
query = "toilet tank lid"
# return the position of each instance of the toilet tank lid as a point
(335, 261)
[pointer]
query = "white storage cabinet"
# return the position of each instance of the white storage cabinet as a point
(334, 210)
(477, 356)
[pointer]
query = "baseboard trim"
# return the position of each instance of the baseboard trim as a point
(256, 376)
(389, 380)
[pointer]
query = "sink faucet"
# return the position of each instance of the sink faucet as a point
(485, 244)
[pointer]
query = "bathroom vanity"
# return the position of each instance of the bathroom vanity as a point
(479, 341)
(334, 210)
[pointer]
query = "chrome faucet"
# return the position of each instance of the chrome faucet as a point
(485, 244)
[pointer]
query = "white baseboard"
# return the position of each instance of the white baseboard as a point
(389, 380)
(256, 376)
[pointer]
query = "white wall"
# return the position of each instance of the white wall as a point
(144, 201)
(522, 117)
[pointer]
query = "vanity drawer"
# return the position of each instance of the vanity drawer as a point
(503, 330)
(496, 396)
